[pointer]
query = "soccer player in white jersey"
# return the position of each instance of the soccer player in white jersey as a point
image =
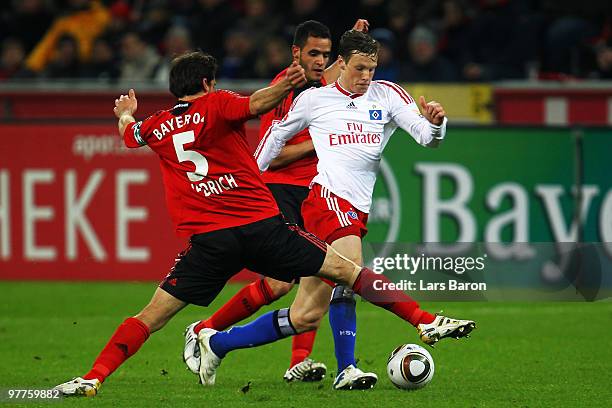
(350, 123)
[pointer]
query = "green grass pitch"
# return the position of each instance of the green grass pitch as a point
(521, 355)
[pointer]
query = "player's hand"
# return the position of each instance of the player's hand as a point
(433, 111)
(296, 75)
(126, 104)
(362, 25)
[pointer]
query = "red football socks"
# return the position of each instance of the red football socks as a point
(373, 288)
(126, 341)
(302, 346)
(242, 305)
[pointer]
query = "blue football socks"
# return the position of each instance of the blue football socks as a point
(265, 329)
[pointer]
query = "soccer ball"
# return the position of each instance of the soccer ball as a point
(410, 367)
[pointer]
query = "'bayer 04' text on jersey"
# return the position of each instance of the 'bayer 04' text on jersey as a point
(349, 133)
(299, 172)
(211, 180)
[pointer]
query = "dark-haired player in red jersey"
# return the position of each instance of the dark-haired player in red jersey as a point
(215, 194)
(289, 178)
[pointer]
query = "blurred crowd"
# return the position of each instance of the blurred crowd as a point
(421, 40)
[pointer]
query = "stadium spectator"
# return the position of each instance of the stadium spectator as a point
(425, 64)
(388, 66)
(209, 24)
(139, 60)
(603, 56)
(304, 10)
(259, 21)
(485, 40)
(499, 44)
(103, 63)
(570, 36)
(375, 11)
(11, 59)
(275, 58)
(154, 23)
(451, 20)
(65, 62)
(123, 18)
(239, 61)
(176, 42)
(400, 22)
(33, 14)
(85, 21)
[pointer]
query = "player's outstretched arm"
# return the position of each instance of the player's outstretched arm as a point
(291, 153)
(268, 98)
(436, 115)
(332, 72)
(428, 128)
(124, 109)
(277, 135)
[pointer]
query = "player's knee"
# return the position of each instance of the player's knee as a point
(343, 294)
(155, 317)
(279, 288)
(154, 321)
(307, 320)
(338, 269)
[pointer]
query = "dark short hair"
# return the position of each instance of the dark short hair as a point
(356, 42)
(310, 28)
(188, 70)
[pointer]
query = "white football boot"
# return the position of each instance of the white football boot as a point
(191, 353)
(79, 387)
(443, 327)
(352, 378)
(307, 371)
(209, 362)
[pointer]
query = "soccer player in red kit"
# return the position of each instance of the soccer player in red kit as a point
(288, 179)
(216, 196)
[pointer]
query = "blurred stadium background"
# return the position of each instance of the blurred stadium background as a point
(523, 82)
(526, 85)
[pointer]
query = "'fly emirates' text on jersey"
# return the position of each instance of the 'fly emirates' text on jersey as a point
(349, 133)
(210, 178)
(299, 172)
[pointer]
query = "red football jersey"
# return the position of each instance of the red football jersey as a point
(210, 177)
(300, 172)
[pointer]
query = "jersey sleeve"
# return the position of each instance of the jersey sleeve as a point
(233, 107)
(405, 113)
(277, 135)
(276, 114)
(136, 134)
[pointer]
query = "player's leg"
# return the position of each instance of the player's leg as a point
(303, 254)
(375, 289)
(336, 222)
(289, 199)
(245, 303)
(306, 311)
(124, 343)
(301, 366)
(342, 316)
(199, 274)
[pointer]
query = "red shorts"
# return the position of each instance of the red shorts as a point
(330, 217)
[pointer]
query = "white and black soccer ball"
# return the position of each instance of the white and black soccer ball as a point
(410, 367)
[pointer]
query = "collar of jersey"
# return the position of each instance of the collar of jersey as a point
(345, 92)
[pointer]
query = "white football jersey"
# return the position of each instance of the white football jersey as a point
(349, 133)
